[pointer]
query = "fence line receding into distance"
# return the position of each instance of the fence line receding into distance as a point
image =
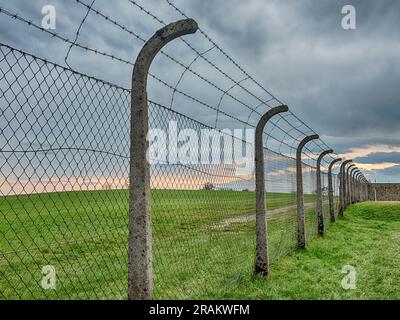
(65, 152)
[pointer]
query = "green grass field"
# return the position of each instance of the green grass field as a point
(196, 254)
(84, 235)
(367, 238)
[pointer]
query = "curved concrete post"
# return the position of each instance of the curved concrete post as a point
(348, 185)
(359, 176)
(363, 193)
(366, 190)
(362, 188)
(357, 186)
(262, 259)
(320, 213)
(362, 199)
(140, 270)
(330, 190)
(353, 185)
(301, 235)
(342, 187)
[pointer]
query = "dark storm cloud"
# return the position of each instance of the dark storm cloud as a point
(241, 31)
(344, 82)
(380, 157)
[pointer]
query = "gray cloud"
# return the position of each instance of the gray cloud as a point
(394, 171)
(343, 83)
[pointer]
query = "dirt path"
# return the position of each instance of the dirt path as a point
(271, 214)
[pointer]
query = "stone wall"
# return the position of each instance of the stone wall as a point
(384, 191)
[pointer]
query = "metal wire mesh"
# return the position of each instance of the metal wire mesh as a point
(64, 201)
(325, 194)
(63, 149)
(64, 160)
(336, 185)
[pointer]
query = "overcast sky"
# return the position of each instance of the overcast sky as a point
(343, 83)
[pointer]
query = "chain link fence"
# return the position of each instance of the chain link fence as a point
(64, 160)
(63, 182)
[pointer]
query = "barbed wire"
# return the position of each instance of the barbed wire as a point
(232, 61)
(67, 131)
(77, 33)
(187, 68)
(171, 87)
(236, 83)
(66, 68)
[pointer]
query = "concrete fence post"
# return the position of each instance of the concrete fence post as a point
(360, 186)
(354, 182)
(301, 235)
(357, 186)
(363, 192)
(352, 185)
(342, 187)
(262, 259)
(320, 205)
(330, 190)
(348, 185)
(360, 196)
(140, 270)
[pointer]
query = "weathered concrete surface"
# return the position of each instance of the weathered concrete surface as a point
(320, 214)
(352, 184)
(356, 186)
(301, 231)
(359, 186)
(330, 190)
(384, 191)
(140, 269)
(348, 185)
(262, 260)
(342, 187)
